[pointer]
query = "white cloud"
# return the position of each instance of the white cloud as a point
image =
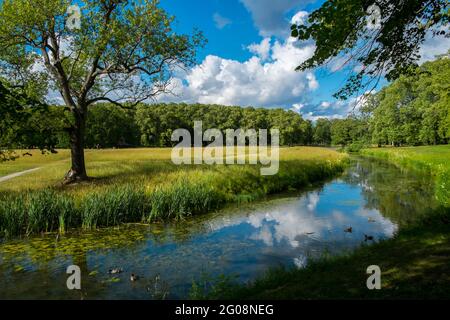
(313, 200)
(220, 21)
(336, 109)
(300, 18)
(313, 116)
(298, 106)
(337, 64)
(262, 49)
(266, 79)
(432, 47)
(269, 16)
(325, 104)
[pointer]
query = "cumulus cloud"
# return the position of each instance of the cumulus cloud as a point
(262, 49)
(432, 47)
(298, 106)
(336, 109)
(325, 104)
(300, 17)
(220, 21)
(269, 16)
(266, 79)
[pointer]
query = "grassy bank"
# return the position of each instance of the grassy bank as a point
(414, 264)
(143, 185)
(434, 160)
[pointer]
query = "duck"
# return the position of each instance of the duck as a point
(134, 277)
(368, 238)
(115, 271)
(349, 230)
(371, 220)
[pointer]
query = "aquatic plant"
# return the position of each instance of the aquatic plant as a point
(33, 212)
(116, 205)
(183, 199)
(49, 211)
(12, 216)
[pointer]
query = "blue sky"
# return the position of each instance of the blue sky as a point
(229, 39)
(231, 26)
(250, 60)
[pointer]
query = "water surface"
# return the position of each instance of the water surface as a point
(371, 197)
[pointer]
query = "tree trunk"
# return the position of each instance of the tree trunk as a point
(78, 170)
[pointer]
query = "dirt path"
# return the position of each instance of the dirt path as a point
(17, 174)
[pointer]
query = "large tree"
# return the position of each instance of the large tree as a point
(381, 37)
(119, 51)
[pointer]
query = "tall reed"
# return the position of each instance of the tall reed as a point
(114, 206)
(183, 199)
(40, 211)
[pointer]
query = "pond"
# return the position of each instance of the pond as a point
(372, 198)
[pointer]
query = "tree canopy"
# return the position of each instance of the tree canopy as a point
(21, 122)
(412, 110)
(382, 37)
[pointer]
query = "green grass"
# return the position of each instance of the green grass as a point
(38, 159)
(434, 160)
(142, 185)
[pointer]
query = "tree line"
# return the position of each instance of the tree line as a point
(413, 110)
(151, 125)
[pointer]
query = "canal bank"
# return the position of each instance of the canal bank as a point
(313, 235)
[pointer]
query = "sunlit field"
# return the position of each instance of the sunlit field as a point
(142, 185)
(152, 166)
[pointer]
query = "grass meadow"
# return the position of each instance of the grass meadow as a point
(143, 185)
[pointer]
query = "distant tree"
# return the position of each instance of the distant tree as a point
(156, 122)
(386, 46)
(290, 125)
(307, 129)
(122, 52)
(108, 126)
(21, 122)
(322, 132)
(344, 132)
(433, 101)
(340, 132)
